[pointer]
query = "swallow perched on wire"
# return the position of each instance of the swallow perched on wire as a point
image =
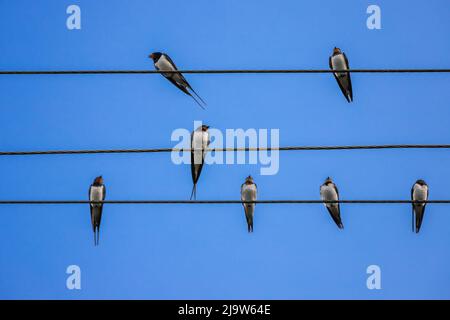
(97, 192)
(163, 62)
(329, 192)
(419, 192)
(338, 61)
(199, 143)
(249, 192)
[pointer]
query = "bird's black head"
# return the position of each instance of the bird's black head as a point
(98, 181)
(421, 182)
(328, 180)
(336, 50)
(155, 56)
(203, 128)
(249, 180)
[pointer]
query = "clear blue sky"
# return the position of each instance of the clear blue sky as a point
(190, 252)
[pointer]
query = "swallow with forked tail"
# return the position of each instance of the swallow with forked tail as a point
(338, 61)
(249, 192)
(419, 192)
(199, 143)
(329, 192)
(97, 192)
(162, 62)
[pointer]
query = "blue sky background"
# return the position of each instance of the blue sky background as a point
(204, 251)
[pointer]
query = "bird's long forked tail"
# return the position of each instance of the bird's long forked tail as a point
(197, 97)
(249, 217)
(419, 217)
(96, 235)
(349, 97)
(413, 220)
(249, 228)
(194, 192)
(336, 217)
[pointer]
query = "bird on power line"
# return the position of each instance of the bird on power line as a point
(199, 143)
(97, 192)
(163, 62)
(419, 192)
(338, 61)
(329, 192)
(249, 192)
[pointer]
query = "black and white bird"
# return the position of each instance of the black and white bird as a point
(199, 143)
(97, 192)
(338, 61)
(329, 192)
(163, 62)
(419, 192)
(249, 192)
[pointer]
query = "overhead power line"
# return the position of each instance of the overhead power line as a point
(221, 71)
(15, 202)
(246, 149)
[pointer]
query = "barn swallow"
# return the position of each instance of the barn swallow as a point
(419, 192)
(97, 192)
(163, 62)
(338, 61)
(329, 192)
(199, 143)
(249, 191)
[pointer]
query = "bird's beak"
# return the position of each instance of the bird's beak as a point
(151, 56)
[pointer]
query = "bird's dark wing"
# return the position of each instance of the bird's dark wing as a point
(420, 211)
(335, 215)
(335, 211)
(349, 78)
(413, 207)
(338, 204)
(337, 191)
(192, 159)
(91, 207)
(196, 169)
(184, 85)
(182, 78)
(100, 208)
(178, 85)
(344, 91)
(171, 62)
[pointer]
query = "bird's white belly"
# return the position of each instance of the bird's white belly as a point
(163, 64)
(96, 194)
(200, 140)
(199, 144)
(338, 62)
(329, 194)
(420, 193)
(249, 194)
